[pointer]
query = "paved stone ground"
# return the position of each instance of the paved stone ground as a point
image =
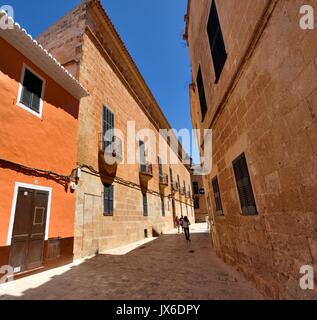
(167, 268)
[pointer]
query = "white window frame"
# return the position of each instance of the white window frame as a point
(19, 103)
(14, 204)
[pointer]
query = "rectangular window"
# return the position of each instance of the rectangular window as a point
(171, 176)
(201, 93)
(142, 156)
(145, 205)
(31, 92)
(215, 185)
(163, 207)
(195, 187)
(217, 45)
(160, 168)
(108, 200)
(179, 183)
(107, 127)
(196, 203)
(244, 186)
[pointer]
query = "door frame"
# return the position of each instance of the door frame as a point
(14, 203)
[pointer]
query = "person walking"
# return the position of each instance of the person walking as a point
(186, 224)
(181, 221)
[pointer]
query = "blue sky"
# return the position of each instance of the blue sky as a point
(152, 31)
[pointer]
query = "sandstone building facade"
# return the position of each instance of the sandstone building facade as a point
(254, 84)
(38, 153)
(121, 202)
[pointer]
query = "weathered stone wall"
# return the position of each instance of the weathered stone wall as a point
(270, 114)
(64, 39)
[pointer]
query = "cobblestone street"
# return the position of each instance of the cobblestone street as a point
(167, 268)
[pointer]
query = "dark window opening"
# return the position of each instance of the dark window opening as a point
(244, 186)
(145, 205)
(160, 168)
(195, 187)
(31, 94)
(217, 45)
(219, 208)
(171, 176)
(202, 95)
(163, 207)
(108, 200)
(196, 203)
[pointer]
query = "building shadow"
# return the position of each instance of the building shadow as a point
(167, 269)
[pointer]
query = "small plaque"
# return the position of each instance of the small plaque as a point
(17, 270)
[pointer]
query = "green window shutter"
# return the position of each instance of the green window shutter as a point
(108, 125)
(244, 186)
(216, 41)
(217, 195)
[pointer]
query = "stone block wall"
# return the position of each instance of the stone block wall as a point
(269, 113)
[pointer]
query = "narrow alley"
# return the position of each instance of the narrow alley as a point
(167, 268)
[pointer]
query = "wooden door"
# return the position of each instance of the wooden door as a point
(29, 229)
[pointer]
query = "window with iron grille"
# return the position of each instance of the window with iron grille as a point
(107, 127)
(244, 186)
(163, 207)
(219, 208)
(217, 45)
(196, 203)
(108, 200)
(32, 90)
(201, 93)
(145, 205)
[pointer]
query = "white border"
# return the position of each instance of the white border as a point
(20, 104)
(14, 203)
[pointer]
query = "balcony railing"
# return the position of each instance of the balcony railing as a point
(164, 180)
(188, 195)
(183, 191)
(175, 187)
(146, 169)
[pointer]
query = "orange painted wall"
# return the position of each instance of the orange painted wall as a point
(49, 143)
